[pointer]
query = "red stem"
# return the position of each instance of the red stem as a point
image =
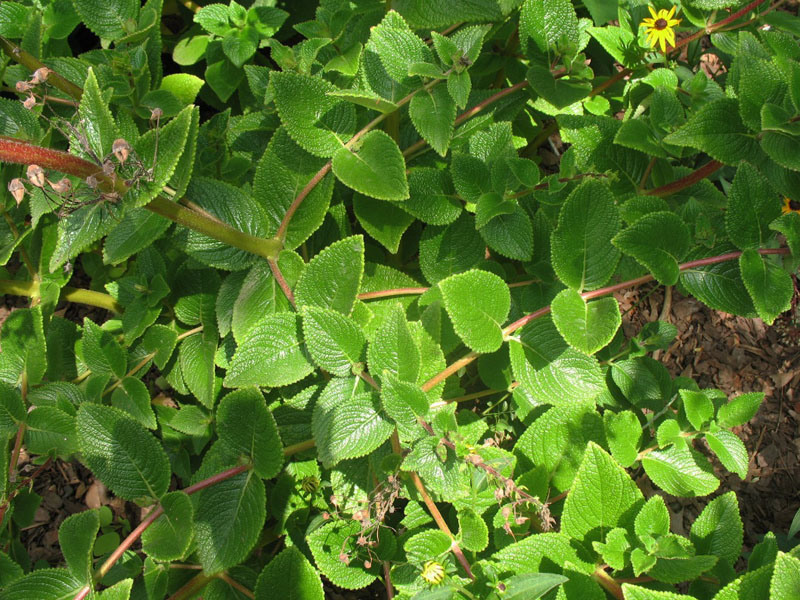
(684, 182)
(22, 153)
(284, 285)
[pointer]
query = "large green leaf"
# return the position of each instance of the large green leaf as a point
(122, 453)
(658, 240)
(246, 426)
(107, 19)
(24, 349)
(770, 287)
(228, 519)
(583, 256)
(332, 278)
(752, 206)
(50, 430)
(603, 496)
(316, 121)
(548, 23)
(270, 354)
(785, 582)
(477, 303)
(392, 348)
(289, 575)
(374, 166)
(680, 471)
(586, 326)
(718, 529)
(719, 286)
(43, 584)
(384, 221)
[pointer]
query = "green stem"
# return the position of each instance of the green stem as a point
(70, 294)
(608, 583)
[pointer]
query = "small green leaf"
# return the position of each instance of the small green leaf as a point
(785, 582)
(122, 453)
(730, 450)
(332, 278)
(329, 543)
(375, 167)
(214, 19)
(531, 586)
(583, 256)
(698, 407)
(719, 286)
(403, 402)
(477, 303)
(623, 432)
(269, 354)
(102, 353)
(752, 206)
(652, 520)
(196, 356)
(228, 520)
(770, 287)
(183, 86)
(603, 496)
(170, 535)
(586, 326)
(50, 430)
(133, 397)
(24, 349)
(718, 529)
(76, 537)
(473, 530)
(384, 221)
(335, 342)
(433, 113)
(632, 592)
(160, 340)
(427, 545)
(560, 92)
(289, 575)
(658, 240)
(392, 348)
(459, 86)
(455, 248)
(680, 471)
(739, 410)
(246, 426)
(107, 19)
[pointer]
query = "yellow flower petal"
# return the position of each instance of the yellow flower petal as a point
(647, 22)
(671, 12)
(653, 12)
(663, 43)
(670, 35)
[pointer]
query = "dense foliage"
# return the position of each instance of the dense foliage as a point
(339, 320)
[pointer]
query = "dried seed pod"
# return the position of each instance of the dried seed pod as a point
(29, 102)
(17, 189)
(108, 168)
(23, 86)
(156, 114)
(121, 150)
(91, 181)
(40, 75)
(36, 175)
(62, 186)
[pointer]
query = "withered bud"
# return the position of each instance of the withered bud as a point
(121, 150)
(36, 175)
(520, 520)
(29, 102)
(344, 558)
(23, 86)
(108, 168)
(499, 494)
(326, 515)
(40, 75)
(367, 564)
(156, 114)
(62, 186)
(17, 189)
(91, 181)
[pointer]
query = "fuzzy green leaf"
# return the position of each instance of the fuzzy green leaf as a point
(770, 287)
(739, 410)
(473, 530)
(632, 592)
(583, 256)
(433, 113)
(384, 221)
(718, 530)
(785, 582)
(455, 248)
(289, 575)
(76, 537)
(133, 397)
(170, 535)
(43, 584)
(680, 471)
(332, 278)
(122, 453)
(102, 353)
(477, 303)
(269, 354)
(658, 240)
(327, 544)
(558, 92)
(335, 342)
(752, 206)
(375, 167)
(431, 197)
(229, 516)
(730, 450)
(403, 402)
(698, 407)
(50, 430)
(586, 326)
(623, 432)
(719, 286)
(392, 348)
(24, 348)
(196, 356)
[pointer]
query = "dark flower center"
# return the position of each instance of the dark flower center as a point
(661, 24)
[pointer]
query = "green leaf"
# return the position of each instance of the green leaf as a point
(335, 342)
(531, 586)
(403, 402)
(332, 278)
(384, 221)
(455, 248)
(603, 496)
(161, 340)
(133, 397)
(730, 450)
(623, 433)
(214, 19)
(698, 406)
(99, 126)
(230, 205)
(122, 453)
(459, 86)
(76, 537)
(427, 545)
(548, 23)
(657, 240)
(739, 410)
(632, 592)
(240, 44)
(477, 303)
(24, 348)
(785, 582)
(101, 352)
(770, 287)
(752, 206)
(43, 584)
(560, 92)
(137, 230)
(618, 42)
(392, 348)
(50, 430)
(224, 78)
(613, 550)
(347, 423)
(327, 544)
(717, 129)
(782, 148)
(431, 197)
(284, 170)
(583, 256)
(374, 166)
(789, 226)
(170, 535)
(183, 86)
(540, 552)
(318, 122)
(196, 356)
(510, 234)
(289, 575)
(652, 520)
(473, 530)
(586, 326)
(245, 426)
(12, 410)
(718, 529)
(269, 354)
(719, 286)
(107, 20)
(433, 113)
(680, 471)
(552, 371)
(228, 519)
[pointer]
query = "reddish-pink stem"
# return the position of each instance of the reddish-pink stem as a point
(284, 285)
(394, 292)
(22, 153)
(684, 182)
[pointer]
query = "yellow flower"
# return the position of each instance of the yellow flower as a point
(433, 572)
(790, 206)
(659, 28)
